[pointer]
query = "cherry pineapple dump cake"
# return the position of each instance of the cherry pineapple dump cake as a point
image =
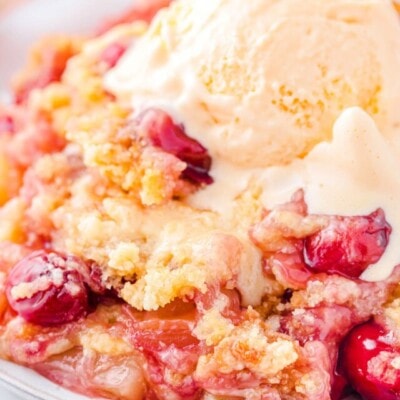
(157, 243)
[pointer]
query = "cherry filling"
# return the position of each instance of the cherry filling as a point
(139, 11)
(370, 362)
(348, 245)
(165, 339)
(6, 124)
(162, 132)
(112, 53)
(48, 288)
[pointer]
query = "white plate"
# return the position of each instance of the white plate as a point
(27, 384)
(19, 28)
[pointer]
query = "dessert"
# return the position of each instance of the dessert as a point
(201, 203)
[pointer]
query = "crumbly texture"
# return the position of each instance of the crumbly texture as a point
(194, 304)
(291, 62)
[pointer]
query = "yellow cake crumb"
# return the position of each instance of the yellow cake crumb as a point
(104, 343)
(213, 327)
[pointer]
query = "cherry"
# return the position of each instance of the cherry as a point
(47, 288)
(370, 363)
(49, 61)
(340, 388)
(348, 244)
(164, 133)
(6, 124)
(139, 11)
(112, 53)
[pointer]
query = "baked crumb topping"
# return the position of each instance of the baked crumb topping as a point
(109, 271)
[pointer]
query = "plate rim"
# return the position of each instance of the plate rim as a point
(31, 388)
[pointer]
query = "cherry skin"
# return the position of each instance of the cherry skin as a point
(368, 361)
(162, 132)
(46, 288)
(348, 245)
(6, 124)
(112, 53)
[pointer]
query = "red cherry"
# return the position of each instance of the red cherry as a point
(6, 124)
(139, 11)
(112, 53)
(348, 245)
(172, 138)
(46, 288)
(340, 389)
(47, 64)
(370, 363)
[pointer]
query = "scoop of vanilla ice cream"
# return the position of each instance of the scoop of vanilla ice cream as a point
(261, 82)
(353, 174)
